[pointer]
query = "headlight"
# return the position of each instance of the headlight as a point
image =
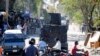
(6, 53)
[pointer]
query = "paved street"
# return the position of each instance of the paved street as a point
(76, 23)
(94, 52)
(81, 40)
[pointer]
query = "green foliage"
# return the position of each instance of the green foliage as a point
(97, 22)
(34, 5)
(19, 5)
(73, 8)
(70, 6)
(78, 17)
(38, 4)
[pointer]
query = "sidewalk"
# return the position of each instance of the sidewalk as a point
(94, 52)
(81, 46)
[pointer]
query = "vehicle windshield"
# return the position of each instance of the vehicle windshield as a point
(9, 36)
(14, 40)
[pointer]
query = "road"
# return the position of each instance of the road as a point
(70, 44)
(81, 46)
(36, 37)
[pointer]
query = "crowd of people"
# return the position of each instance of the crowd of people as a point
(13, 21)
(20, 21)
(33, 51)
(16, 20)
(42, 45)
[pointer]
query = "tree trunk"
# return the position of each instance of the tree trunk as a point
(85, 15)
(11, 4)
(91, 18)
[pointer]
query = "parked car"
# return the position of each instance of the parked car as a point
(13, 42)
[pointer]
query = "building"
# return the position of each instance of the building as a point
(48, 4)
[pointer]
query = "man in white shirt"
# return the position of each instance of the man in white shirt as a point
(57, 46)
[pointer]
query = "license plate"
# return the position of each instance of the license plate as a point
(14, 50)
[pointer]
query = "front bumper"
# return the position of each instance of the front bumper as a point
(13, 51)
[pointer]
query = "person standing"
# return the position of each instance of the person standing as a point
(25, 27)
(1, 24)
(1, 51)
(31, 50)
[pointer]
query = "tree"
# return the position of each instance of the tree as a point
(19, 6)
(97, 22)
(3, 4)
(70, 6)
(77, 17)
(87, 8)
(33, 5)
(96, 15)
(38, 4)
(11, 4)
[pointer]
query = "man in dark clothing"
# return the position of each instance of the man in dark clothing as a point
(31, 50)
(11, 21)
(1, 24)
